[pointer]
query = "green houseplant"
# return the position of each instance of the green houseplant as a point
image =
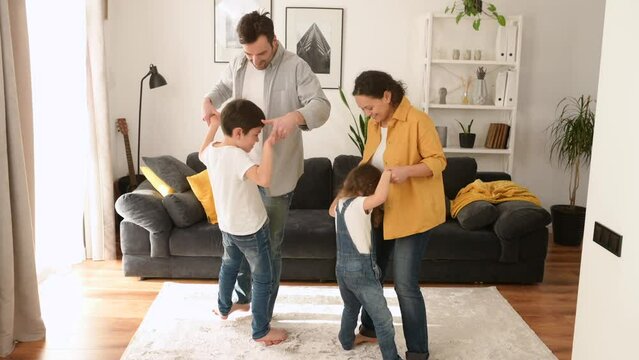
(466, 137)
(359, 129)
(474, 9)
(571, 136)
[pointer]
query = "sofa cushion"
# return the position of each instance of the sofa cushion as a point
(201, 239)
(144, 208)
(171, 170)
(201, 186)
(193, 161)
(184, 208)
(342, 165)
(309, 234)
(313, 190)
(477, 215)
(518, 218)
(459, 172)
(157, 184)
(449, 241)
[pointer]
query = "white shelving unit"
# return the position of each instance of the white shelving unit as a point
(442, 36)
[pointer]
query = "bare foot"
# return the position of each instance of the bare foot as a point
(275, 336)
(234, 307)
(360, 339)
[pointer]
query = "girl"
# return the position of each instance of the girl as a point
(357, 273)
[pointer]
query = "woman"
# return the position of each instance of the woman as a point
(403, 139)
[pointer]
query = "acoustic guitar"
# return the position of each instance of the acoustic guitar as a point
(127, 183)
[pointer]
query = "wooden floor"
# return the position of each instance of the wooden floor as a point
(93, 311)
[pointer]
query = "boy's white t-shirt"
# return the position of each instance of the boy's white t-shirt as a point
(253, 90)
(239, 206)
(358, 223)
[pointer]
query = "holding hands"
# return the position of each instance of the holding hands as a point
(209, 112)
(284, 125)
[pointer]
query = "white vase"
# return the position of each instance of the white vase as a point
(480, 92)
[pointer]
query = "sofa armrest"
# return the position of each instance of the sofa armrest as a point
(517, 219)
(144, 208)
(487, 176)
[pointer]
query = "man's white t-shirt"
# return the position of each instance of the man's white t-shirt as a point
(239, 206)
(253, 90)
(358, 223)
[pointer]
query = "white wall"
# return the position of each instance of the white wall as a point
(607, 320)
(560, 57)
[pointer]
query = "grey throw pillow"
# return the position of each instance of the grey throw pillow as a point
(518, 218)
(144, 208)
(184, 208)
(477, 215)
(171, 170)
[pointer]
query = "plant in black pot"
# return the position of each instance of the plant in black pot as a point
(571, 134)
(466, 138)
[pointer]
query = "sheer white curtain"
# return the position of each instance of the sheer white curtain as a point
(20, 318)
(58, 68)
(99, 213)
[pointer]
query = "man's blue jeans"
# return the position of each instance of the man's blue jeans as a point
(407, 255)
(277, 208)
(255, 250)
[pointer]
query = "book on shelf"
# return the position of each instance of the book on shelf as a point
(497, 137)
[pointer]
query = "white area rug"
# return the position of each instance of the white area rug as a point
(463, 323)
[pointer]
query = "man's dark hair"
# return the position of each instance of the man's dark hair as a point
(243, 114)
(253, 25)
(373, 83)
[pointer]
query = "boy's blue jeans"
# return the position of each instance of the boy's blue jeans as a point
(277, 208)
(255, 248)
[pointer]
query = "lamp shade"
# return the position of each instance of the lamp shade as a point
(157, 79)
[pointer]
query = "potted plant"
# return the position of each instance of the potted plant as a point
(359, 129)
(466, 138)
(571, 136)
(475, 9)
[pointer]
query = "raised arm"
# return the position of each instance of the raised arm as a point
(261, 174)
(381, 192)
(214, 124)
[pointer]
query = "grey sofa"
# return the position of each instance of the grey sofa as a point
(512, 249)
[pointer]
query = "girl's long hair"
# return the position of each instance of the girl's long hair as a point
(362, 181)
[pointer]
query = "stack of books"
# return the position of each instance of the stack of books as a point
(497, 137)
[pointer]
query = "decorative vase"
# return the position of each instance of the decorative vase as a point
(466, 140)
(442, 132)
(480, 93)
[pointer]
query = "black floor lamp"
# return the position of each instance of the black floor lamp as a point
(156, 80)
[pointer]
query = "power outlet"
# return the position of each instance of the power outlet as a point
(608, 239)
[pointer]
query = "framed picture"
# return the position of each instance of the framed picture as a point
(315, 35)
(226, 15)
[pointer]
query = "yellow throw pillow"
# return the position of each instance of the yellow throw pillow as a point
(201, 186)
(159, 185)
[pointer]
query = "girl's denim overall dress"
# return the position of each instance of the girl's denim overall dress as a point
(359, 284)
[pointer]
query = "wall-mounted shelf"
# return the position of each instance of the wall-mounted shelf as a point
(500, 51)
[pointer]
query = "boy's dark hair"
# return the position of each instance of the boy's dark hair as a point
(373, 83)
(362, 181)
(243, 114)
(253, 25)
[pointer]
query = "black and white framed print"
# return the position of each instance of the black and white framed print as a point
(226, 15)
(315, 35)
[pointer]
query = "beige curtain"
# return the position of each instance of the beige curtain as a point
(20, 318)
(99, 213)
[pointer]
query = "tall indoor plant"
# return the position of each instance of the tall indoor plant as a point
(571, 134)
(359, 129)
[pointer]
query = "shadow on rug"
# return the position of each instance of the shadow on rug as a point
(463, 323)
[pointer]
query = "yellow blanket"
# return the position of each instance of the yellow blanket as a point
(493, 192)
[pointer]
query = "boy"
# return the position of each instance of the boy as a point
(241, 214)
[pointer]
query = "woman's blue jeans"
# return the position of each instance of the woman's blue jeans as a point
(256, 250)
(407, 256)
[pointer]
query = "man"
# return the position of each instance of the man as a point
(286, 89)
